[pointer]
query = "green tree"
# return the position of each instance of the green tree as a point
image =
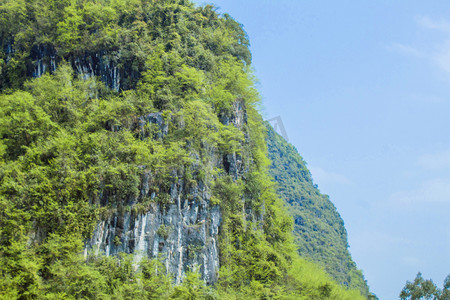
(422, 288)
(193, 287)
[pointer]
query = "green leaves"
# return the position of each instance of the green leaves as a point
(130, 33)
(422, 288)
(18, 264)
(22, 123)
(193, 287)
(68, 30)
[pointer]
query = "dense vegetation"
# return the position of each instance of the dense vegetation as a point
(319, 230)
(425, 289)
(71, 151)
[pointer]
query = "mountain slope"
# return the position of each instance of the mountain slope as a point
(319, 230)
(133, 163)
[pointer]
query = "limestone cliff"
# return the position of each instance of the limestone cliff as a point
(183, 231)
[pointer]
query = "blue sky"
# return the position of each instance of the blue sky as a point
(363, 89)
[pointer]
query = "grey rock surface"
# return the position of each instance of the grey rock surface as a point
(183, 231)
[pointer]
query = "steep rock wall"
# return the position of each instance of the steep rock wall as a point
(109, 66)
(183, 234)
(183, 229)
(101, 64)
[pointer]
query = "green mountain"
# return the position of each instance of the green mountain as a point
(133, 160)
(318, 228)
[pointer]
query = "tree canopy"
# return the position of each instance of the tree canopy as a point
(422, 288)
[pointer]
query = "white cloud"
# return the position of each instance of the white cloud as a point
(435, 161)
(442, 56)
(435, 191)
(437, 53)
(320, 175)
(405, 50)
(428, 23)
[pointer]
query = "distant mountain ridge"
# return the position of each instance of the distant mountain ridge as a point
(319, 229)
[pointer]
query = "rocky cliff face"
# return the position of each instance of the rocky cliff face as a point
(183, 229)
(101, 64)
(183, 234)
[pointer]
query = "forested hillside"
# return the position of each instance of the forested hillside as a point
(318, 228)
(133, 160)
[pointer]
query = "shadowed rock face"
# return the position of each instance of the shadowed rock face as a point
(157, 119)
(102, 64)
